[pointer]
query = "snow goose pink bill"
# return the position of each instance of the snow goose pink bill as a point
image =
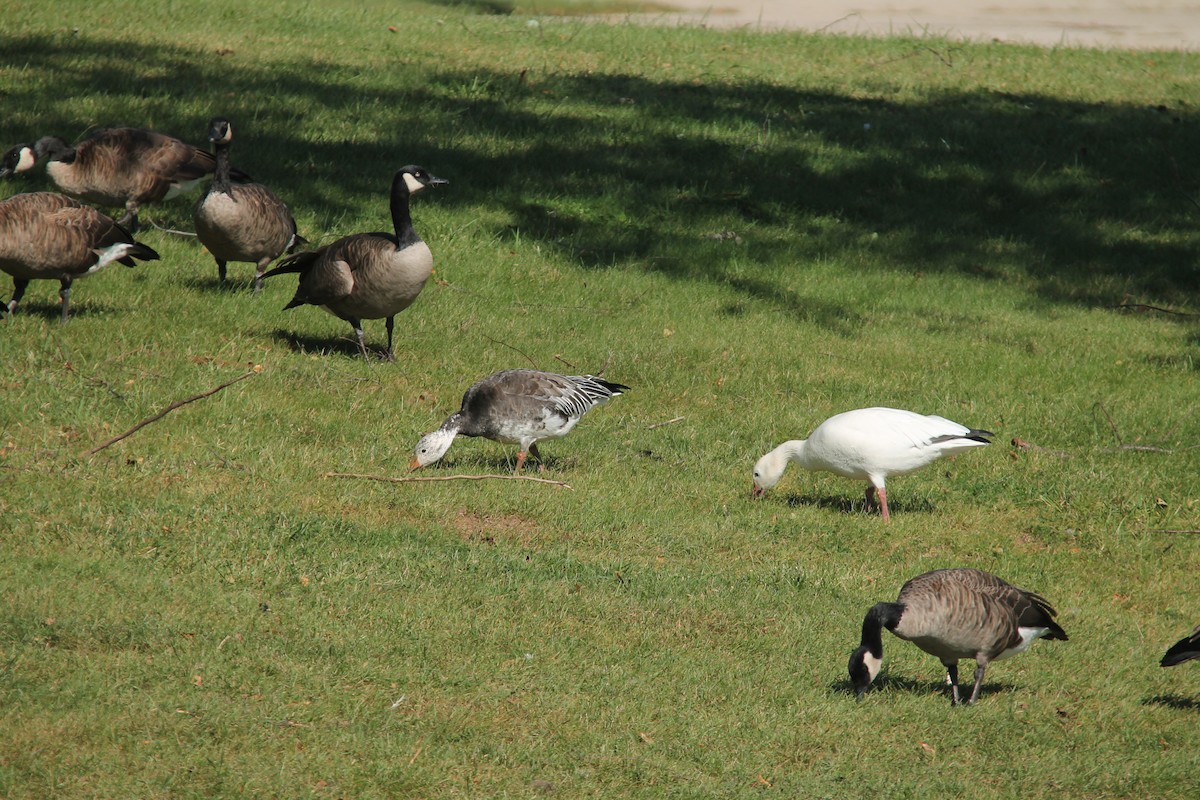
(521, 407)
(870, 444)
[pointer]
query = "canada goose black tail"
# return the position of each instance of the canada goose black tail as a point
(979, 436)
(297, 262)
(1185, 649)
(138, 251)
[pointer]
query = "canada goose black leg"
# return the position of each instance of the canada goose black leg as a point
(130, 220)
(19, 287)
(979, 670)
(221, 271)
(362, 343)
(952, 677)
(389, 355)
(65, 294)
(259, 272)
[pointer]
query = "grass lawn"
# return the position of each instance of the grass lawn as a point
(754, 231)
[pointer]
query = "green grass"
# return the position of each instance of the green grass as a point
(197, 612)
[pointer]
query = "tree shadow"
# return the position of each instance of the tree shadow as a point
(1085, 203)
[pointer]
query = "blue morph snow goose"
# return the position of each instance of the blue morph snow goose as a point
(368, 275)
(869, 444)
(518, 406)
(49, 236)
(126, 167)
(954, 614)
(241, 222)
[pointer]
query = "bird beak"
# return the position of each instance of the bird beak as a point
(758, 492)
(434, 181)
(414, 464)
(4, 171)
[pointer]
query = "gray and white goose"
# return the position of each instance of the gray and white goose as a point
(1185, 649)
(49, 236)
(241, 221)
(126, 167)
(518, 406)
(368, 275)
(954, 614)
(870, 444)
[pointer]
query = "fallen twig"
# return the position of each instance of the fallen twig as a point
(164, 412)
(1111, 424)
(1175, 530)
(1145, 307)
(170, 230)
(1137, 448)
(390, 479)
(668, 422)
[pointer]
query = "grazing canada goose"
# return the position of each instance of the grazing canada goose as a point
(869, 444)
(1185, 649)
(368, 275)
(518, 406)
(954, 614)
(241, 222)
(48, 236)
(124, 167)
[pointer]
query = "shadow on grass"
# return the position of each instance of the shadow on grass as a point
(1089, 201)
(1174, 701)
(889, 683)
(323, 345)
(848, 505)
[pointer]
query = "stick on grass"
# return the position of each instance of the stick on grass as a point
(427, 478)
(164, 412)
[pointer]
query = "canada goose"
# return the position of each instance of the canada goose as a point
(518, 406)
(869, 444)
(118, 167)
(241, 222)
(48, 236)
(368, 275)
(954, 614)
(1185, 649)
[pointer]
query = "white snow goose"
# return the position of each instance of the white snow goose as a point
(870, 444)
(518, 406)
(954, 614)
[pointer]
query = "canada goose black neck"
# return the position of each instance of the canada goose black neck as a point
(406, 235)
(53, 148)
(220, 134)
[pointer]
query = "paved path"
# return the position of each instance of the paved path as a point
(1139, 24)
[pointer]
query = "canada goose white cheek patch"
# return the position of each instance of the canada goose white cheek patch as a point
(413, 184)
(873, 664)
(25, 161)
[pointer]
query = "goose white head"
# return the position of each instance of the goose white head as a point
(18, 159)
(768, 471)
(432, 447)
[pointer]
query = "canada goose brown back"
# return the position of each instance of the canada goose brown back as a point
(955, 614)
(125, 167)
(48, 236)
(241, 222)
(368, 275)
(1185, 649)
